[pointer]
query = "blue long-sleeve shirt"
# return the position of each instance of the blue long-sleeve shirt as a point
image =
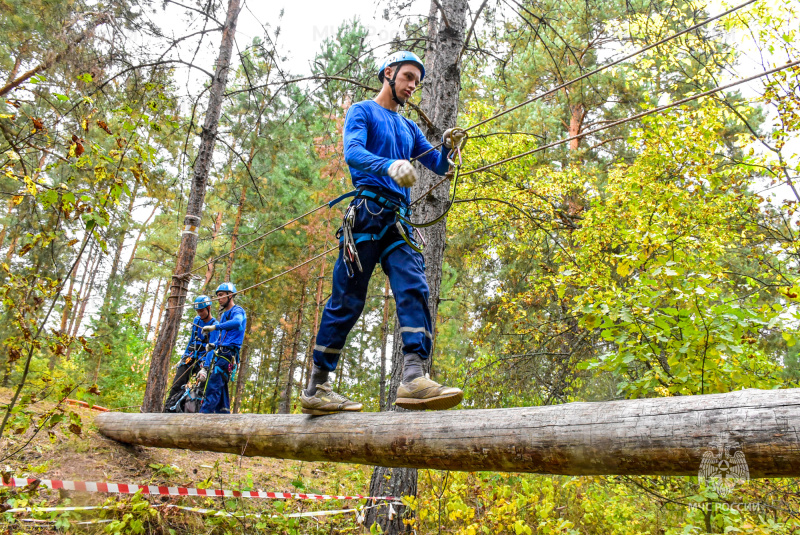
(196, 337)
(232, 325)
(375, 137)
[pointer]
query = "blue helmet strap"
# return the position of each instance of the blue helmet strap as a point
(392, 82)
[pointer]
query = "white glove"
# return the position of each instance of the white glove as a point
(403, 173)
(453, 137)
(202, 375)
(209, 328)
(210, 347)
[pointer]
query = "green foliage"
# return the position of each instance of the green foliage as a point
(649, 260)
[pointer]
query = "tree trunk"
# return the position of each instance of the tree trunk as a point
(153, 308)
(275, 391)
(144, 299)
(263, 369)
(384, 336)
(86, 295)
(69, 304)
(12, 246)
(440, 103)
(163, 304)
(576, 116)
(159, 362)
(211, 267)
(84, 301)
(286, 397)
(142, 230)
(657, 436)
(243, 365)
(235, 233)
(120, 245)
(5, 227)
(81, 288)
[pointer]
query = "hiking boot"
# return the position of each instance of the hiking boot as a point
(326, 401)
(423, 393)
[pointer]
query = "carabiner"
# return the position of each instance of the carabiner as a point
(350, 253)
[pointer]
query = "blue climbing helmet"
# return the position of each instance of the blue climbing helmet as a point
(226, 287)
(201, 302)
(399, 58)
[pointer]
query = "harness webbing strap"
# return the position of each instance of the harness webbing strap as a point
(386, 252)
(340, 198)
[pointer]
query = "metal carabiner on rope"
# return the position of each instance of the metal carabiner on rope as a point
(349, 252)
(456, 148)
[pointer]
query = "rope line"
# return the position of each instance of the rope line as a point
(256, 285)
(550, 145)
(592, 73)
(261, 237)
(633, 117)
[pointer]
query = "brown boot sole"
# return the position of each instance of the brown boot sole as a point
(439, 403)
(317, 412)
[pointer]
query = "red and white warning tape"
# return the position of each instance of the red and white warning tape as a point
(86, 405)
(118, 488)
(201, 510)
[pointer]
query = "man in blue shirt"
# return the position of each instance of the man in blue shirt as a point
(222, 360)
(195, 352)
(378, 144)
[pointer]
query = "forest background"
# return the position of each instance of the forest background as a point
(656, 258)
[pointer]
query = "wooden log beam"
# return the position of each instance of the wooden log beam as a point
(662, 436)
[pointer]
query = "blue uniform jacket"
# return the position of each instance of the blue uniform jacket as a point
(375, 137)
(196, 337)
(232, 325)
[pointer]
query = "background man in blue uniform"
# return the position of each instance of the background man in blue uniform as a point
(378, 144)
(222, 360)
(195, 351)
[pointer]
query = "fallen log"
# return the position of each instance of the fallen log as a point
(661, 436)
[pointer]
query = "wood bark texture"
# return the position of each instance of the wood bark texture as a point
(660, 436)
(159, 362)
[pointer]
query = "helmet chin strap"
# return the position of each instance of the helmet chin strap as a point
(391, 84)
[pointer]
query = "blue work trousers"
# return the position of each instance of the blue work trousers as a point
(216, 399)
(377, 240)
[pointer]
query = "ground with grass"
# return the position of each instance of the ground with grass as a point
(61, 453)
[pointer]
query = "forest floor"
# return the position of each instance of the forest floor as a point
(89, 456)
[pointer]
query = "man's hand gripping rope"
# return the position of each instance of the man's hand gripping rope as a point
(453, 139)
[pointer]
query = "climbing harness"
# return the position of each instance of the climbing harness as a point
(348, 240)
(408, 230)
(180, 403)
(229, 357)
